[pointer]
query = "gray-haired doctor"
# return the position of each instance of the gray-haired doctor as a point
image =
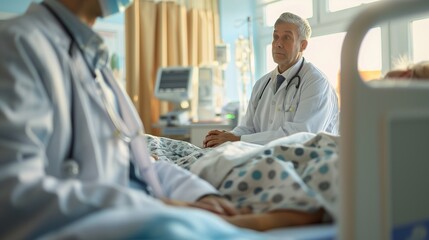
(295, 97)
(68, 133)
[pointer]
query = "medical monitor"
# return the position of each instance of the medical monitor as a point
(176, 84)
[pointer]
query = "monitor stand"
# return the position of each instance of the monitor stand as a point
(175, 118)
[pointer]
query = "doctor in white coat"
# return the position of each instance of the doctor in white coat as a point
(68, 133)
(295, 97)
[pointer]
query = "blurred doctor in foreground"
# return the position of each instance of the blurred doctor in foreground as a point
(294, 97)
(68, 133)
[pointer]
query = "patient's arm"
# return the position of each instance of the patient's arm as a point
(276, 219)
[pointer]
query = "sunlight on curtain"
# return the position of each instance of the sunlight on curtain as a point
(139, 36)
(165, 33)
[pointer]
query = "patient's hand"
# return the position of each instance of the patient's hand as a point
(215, 138)
(222, 205)
(212, 203)
(275, 219)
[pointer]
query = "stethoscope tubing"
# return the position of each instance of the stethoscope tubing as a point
(290, 81)
(119, 131)
(144, 163)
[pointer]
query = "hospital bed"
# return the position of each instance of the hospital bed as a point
(384, 191)
(383, 159)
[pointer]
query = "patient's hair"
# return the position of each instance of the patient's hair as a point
(304, 29)
(421, 70)
(417, 71)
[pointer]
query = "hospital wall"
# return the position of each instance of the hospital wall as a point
(233, 24)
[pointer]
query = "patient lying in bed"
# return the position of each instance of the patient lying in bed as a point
(288, 182)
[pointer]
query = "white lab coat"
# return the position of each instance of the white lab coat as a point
(39, 190)
(274, 115)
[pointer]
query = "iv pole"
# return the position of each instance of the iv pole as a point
(244, 59)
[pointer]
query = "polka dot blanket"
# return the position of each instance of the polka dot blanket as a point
(298, 172)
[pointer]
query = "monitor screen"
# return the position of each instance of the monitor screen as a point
(175, 84)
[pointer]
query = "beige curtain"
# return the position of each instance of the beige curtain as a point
(165, 33)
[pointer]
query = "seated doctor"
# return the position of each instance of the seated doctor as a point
(295, 97)
(68, 133)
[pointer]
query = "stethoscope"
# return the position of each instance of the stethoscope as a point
(289, 84)
(130, 117)
(120, 130)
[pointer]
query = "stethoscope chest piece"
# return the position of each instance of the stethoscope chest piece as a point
(290, 91)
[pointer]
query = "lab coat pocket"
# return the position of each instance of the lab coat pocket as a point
(288, 116)
(123, 153)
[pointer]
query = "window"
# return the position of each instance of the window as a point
(370, 55)
(337, 5)
(274, 10)
(420, 40)
(269, 63)
(394, 42)
(328, 59)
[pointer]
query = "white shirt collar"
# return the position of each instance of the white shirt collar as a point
(291, 70)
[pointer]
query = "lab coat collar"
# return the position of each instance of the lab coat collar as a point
(88, 41)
